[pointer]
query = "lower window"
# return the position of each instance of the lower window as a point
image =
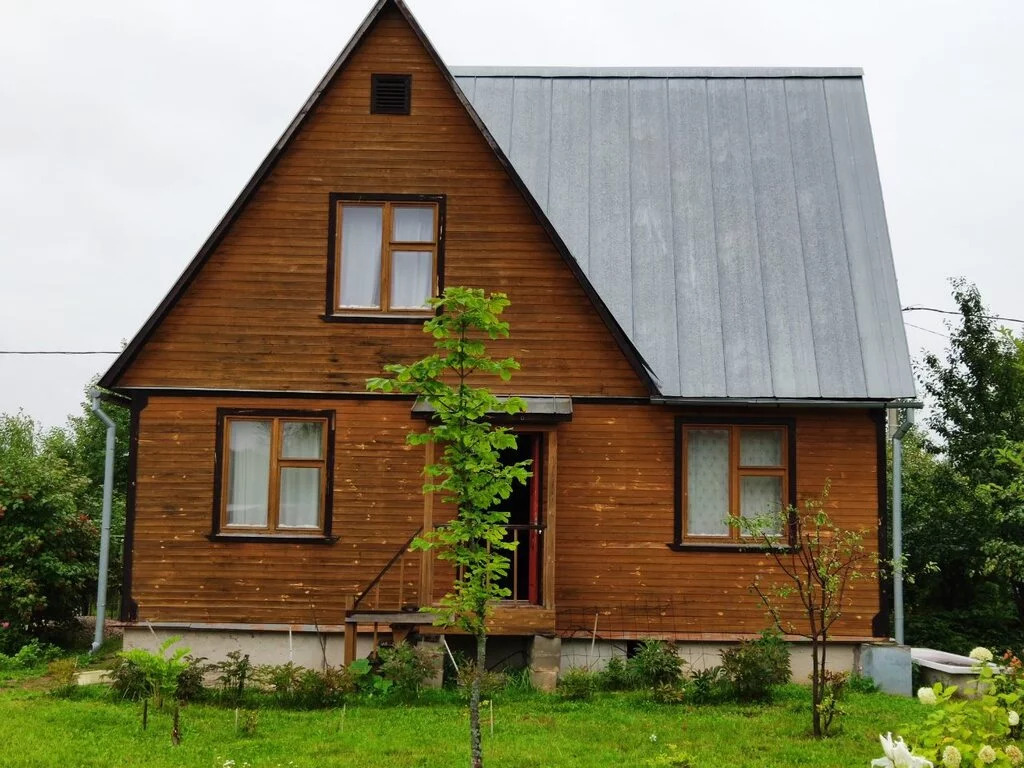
(731, 471)
(274, 472)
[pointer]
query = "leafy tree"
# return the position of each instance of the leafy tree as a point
(470, 474)
(977, 397)
(48, 542)
(1004, 550)
(818, 565)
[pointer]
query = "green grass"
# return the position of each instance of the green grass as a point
(530, 730)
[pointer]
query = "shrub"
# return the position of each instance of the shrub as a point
(519, 680)
(834, 685)
(491, 682)
(861, 684)
(235, 671)
(248, 721)
(64, 673)
(127, 680)
(673, 758)
(614, 676)
(32, 654)
(407, 667)
(577, 684)
(669, 693)
(655, 663)
(754, 666)
(191, 680)
(707, 686)
(48, 542)
(159, 671)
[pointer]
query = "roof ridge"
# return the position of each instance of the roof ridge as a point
(656, 72)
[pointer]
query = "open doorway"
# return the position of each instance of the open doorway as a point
(526, 523)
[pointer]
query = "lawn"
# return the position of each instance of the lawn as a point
(39, 730)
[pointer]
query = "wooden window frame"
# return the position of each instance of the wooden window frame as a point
(383, 313)
(734, 539)
(273, 531)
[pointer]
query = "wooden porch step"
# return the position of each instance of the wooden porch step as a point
(390, 617)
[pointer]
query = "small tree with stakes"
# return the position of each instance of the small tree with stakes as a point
(470, 474)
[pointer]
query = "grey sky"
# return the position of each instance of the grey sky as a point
(128, 128)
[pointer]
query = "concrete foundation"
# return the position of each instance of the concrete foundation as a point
(264, 646)
(595, 656)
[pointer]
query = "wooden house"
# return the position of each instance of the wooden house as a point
(703, 303)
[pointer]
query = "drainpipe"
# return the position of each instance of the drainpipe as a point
(108, 490)
(897, 521)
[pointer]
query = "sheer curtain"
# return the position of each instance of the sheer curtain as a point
(412, 279)
(412, 272)
(760, 495)
(300, 497)
(359, 281)
(707, 482)
(300, 486)
(248, 472)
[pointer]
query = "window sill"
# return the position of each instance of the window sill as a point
(730, 546)
(379, 317)
(272, 538)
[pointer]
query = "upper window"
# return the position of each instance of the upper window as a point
(729, 472)
(274, 473)
(385, 257)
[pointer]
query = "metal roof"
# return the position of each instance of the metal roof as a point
(731, 220)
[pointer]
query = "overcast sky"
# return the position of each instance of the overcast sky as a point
(128, 128)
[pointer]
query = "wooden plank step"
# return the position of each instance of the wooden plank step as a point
(390, 617)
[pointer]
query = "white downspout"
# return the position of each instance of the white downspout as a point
(108, 490)
(897, 521)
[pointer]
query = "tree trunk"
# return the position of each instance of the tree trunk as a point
(475, 744)
(815, 689)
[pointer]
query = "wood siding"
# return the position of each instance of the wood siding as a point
(251, 319)
(615, 494)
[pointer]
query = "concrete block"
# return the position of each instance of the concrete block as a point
(545, 662)
(889, 665)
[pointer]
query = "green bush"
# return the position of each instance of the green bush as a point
(64, 675)
(138, 673)
(235, 673)
(669, 693)
(407, 667)
(491, 683)
(614, 676)
(707, 686)
(754, 666)
(32, 654)
(577, 684)
(655, 663)
(48, 541)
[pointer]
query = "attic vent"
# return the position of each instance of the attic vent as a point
(390, 94)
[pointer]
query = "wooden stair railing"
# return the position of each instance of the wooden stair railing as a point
(400, 616)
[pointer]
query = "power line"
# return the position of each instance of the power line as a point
(56, 352)
(926, 330)
(957, 312)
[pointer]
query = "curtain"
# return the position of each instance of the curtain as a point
(760, 496)
(302, 440)
(359, 281)
(707, 482)
(412, 279)
(760, 448)
(413, 224)
(248, 472)
(300, 497)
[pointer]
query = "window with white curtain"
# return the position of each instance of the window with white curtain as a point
(731, 472)
(276, 471)
(386, 256)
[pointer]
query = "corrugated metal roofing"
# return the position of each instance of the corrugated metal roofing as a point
(732, 220)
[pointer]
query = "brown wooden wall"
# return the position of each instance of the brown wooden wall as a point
(615, 511)
(615, 516)
(251, 319)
